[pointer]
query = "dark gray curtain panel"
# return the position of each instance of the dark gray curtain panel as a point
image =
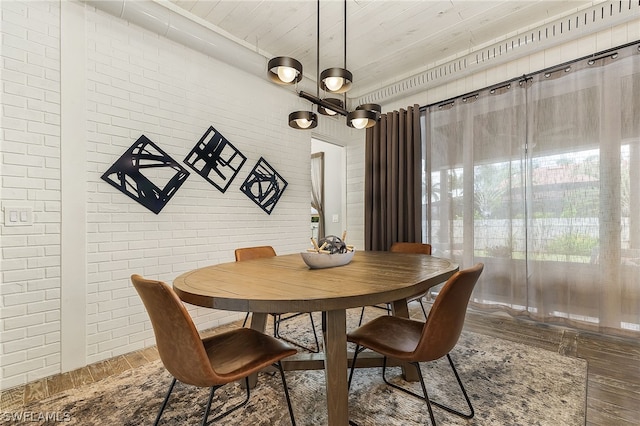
(393, 180)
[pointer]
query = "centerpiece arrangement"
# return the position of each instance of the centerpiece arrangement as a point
(328, 252)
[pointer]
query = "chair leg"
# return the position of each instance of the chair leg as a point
(276, 324)
(276, 332)
(230, 410)
(353, 365)
(246, 318)
(424, 397)
(286, 393)
(437, 404)
(464, 392)
(424, 311)
(208, 408)
(386, 308)
(164, 403)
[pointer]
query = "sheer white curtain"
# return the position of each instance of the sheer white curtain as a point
(540, 179)
(317, 189)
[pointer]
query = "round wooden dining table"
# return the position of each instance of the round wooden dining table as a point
(284, 283)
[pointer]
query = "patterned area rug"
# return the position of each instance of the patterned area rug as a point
(508, 384)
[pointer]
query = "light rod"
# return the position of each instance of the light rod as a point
(323, 103)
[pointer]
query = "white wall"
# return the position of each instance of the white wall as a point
(129, 82)
(587, 45)
(334, 185)
(30, 286)
(335, 130)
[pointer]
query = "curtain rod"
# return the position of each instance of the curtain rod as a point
(530, 75)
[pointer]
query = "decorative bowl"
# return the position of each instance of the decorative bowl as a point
(322, 260)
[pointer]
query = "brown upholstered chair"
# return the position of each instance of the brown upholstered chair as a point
(259, 252)
(414, 341)
(210, 362)
(402, 247)
(419, 248)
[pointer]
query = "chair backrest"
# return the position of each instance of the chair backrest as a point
(421, 248)
(446, 317)
(179, 343)
(259, 252)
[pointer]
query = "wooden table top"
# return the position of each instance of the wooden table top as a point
(286, 284)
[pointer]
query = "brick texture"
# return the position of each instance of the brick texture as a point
(30, 161)
(137, 84)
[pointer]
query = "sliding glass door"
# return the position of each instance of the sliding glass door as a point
(540, 180)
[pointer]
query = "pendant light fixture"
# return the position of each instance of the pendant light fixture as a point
(288, 71)
(338, 80)
(329, 111)
(303, 120)
(284, 70)
(324, 110)
(366, 115)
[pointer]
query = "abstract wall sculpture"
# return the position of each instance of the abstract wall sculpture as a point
(264, 186)
(146, 174)
(215, 159)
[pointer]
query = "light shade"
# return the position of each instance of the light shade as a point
(361, 118)
(371, 107)
(336, 80)
(327, 111)
(284, 70)
(303, 120)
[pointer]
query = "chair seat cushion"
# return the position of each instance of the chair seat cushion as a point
(390, 336)
(237, 353)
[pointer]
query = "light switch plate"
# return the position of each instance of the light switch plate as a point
(18, 216)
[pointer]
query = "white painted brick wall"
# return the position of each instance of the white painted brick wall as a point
(29, 290)
(139, 83)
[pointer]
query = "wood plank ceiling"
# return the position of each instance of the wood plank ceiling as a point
(386, 40)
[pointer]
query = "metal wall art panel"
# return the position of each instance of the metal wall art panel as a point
(264, 186)
(146, 174)
(215, 159)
